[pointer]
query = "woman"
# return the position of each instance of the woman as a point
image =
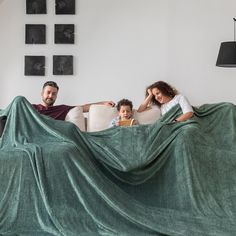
(166, 97)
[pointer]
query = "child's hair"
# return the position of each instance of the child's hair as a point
(124, 102)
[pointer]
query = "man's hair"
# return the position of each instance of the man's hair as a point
(124, 102)
(52, 84)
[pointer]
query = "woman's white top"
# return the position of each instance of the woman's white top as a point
(177, 99)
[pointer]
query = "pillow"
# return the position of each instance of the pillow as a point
(76, 116)
(147, 117)
(100, 116)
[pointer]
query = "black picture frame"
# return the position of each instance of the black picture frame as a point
(36, 7)
(64, 33)
(63, 7)
(34, 65)
(63, 65)
(35, 34)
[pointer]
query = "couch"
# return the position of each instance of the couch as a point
(100, 116)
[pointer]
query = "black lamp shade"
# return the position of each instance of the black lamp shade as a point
(227, 55)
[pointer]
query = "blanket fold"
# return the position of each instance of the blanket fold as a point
(161, 179)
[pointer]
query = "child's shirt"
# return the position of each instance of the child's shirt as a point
(114, 121)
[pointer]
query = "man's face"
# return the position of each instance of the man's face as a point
(49, 95)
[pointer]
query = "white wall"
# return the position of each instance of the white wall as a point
(196, 29)
(121, 46)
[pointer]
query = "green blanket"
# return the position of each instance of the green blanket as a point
(161, 179)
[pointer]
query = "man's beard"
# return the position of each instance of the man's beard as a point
(49, 101)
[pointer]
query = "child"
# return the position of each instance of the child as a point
(125, 109)
(166, 97)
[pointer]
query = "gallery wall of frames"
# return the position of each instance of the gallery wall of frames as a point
(35, 34)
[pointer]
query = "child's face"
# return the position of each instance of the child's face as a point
(125, 112)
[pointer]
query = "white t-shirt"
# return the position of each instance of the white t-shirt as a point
(177, 99)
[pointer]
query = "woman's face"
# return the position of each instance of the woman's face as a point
(162, 99)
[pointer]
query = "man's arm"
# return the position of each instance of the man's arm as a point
(86, 107)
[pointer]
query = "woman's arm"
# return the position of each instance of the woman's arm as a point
(186, 108)
(146, 102)
(184, 116)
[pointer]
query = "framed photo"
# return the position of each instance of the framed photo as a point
(62, 65)
(35, 65)
(64, 33)
(36, 7)
(65, 7)
(35, 34)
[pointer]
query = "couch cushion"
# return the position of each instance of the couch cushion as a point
(76, 116)
(100, 116)
(148, 116)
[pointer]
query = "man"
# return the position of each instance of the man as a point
(58, 112)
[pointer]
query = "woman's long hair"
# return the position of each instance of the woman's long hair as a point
(165, 89)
